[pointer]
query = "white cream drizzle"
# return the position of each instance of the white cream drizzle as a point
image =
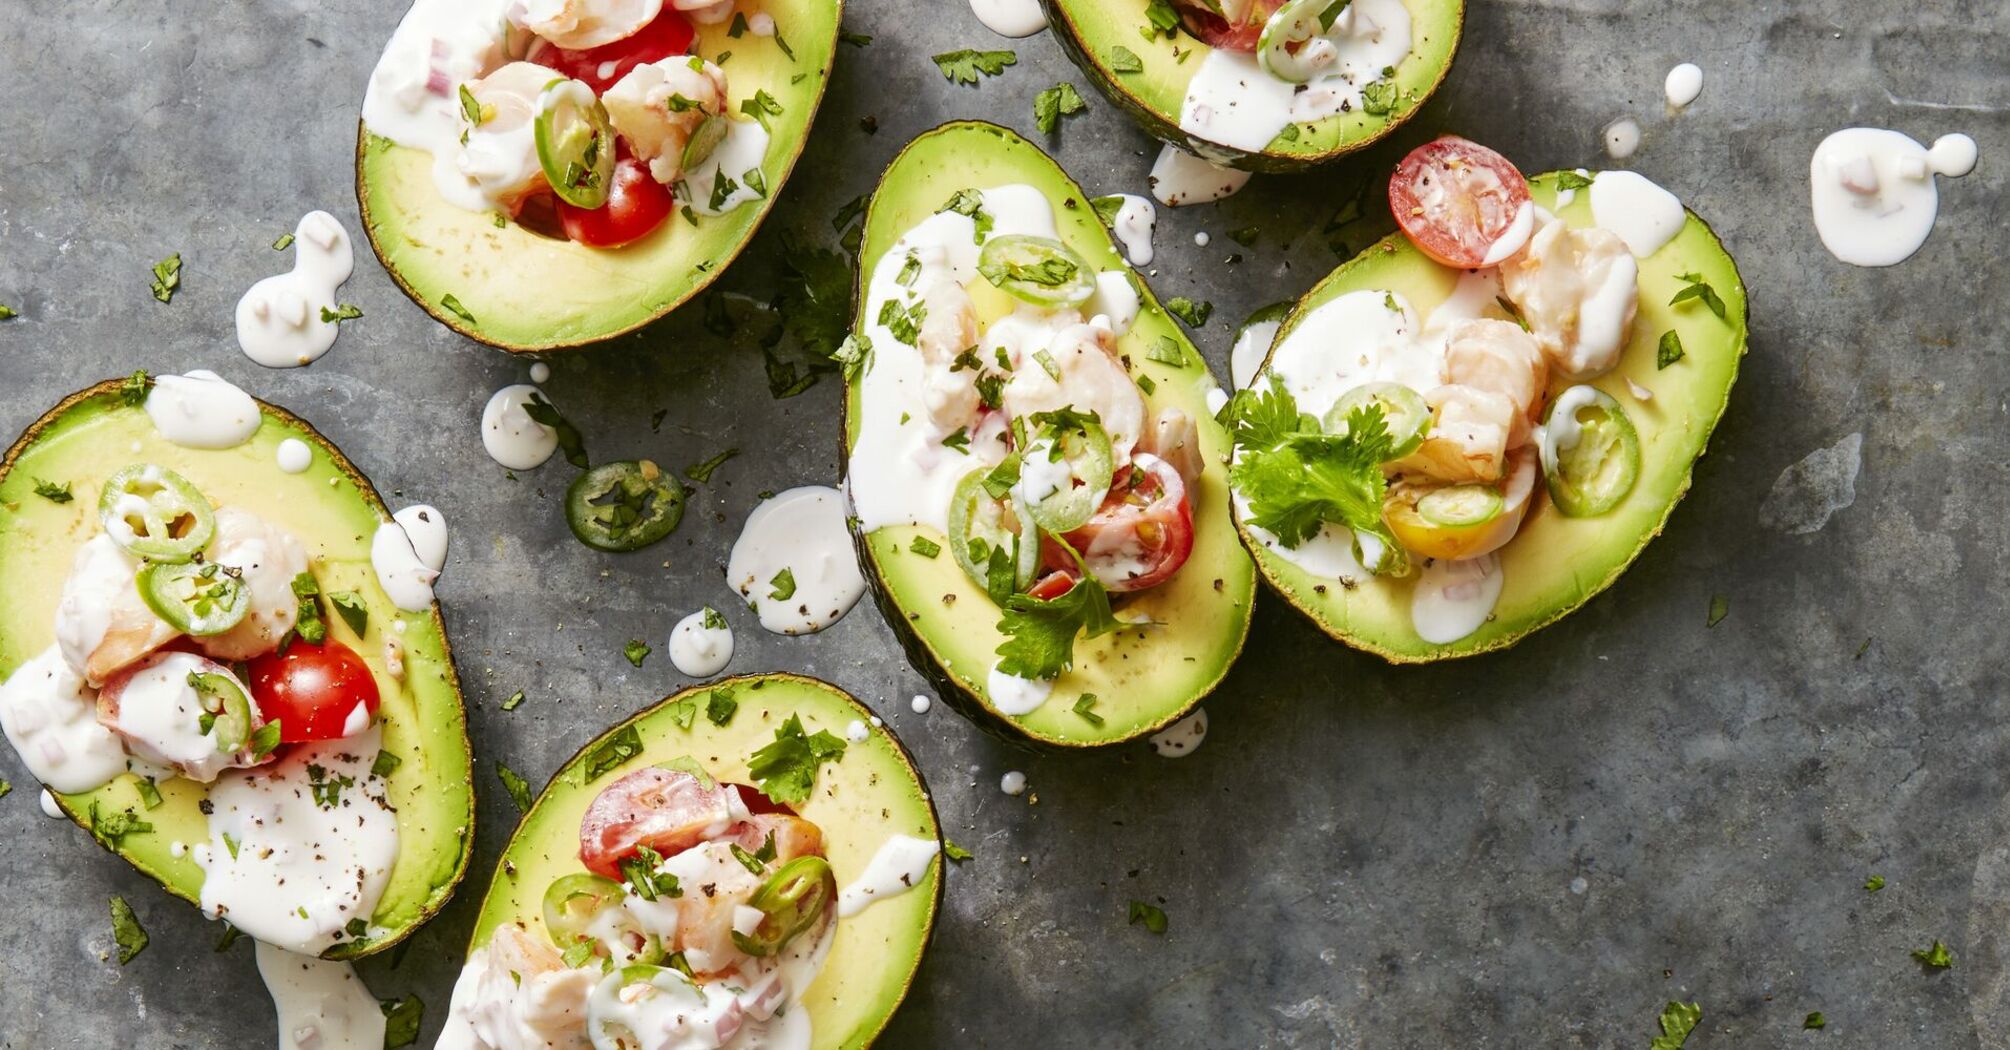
(51, 718)
(801, 530)
(1133, 225)
(1179, 178)
(1183, 737)
(280, 321)
(513, 439)
(1233, 101)
(741, 151)
(321, 1005)
(1015, 696)
(1643, 214)
(700, 651)
(294, 456)
(202, 410)
(897, 866)
(1683, 84)
(1453, 598)
(406, 577)
(1010, 18)
(1873, 191)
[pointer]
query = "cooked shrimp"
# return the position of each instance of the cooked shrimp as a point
(1578, 289)
(949, 329)
(102, 624)
(1087, 376)
(521, 995)
(579, 24)
(717, 885)
(1498, 356)
(658, 105)
(1175, 438)
(498, 155)
(269, 558)
(1468, 439)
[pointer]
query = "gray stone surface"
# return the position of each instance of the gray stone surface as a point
(1530, 849)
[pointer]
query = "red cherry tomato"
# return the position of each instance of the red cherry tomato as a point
(1142, 533)
(600, 67)
(1218, 33)
(1454, 198)
(1053, 585)
(636, 205)
(667, 810)
(313, 691)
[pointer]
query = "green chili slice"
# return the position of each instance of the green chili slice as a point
(791, 902)
(624, 506)
(224, 702)
(1065, 474)
(1038, 270)
(1403, 412)
(704, 139)
(1461, 506)
(575, 143)
(195, 598)
(994, 540)
(154, 513)
(1590, 452)
(1296, 24)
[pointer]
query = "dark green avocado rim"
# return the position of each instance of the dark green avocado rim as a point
(442, 893)
(1442, 653)
(753, 680)
(919, 654)
(1167, 129)
(764, 207)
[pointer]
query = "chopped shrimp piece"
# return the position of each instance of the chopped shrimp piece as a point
(1578, 289)
(157, 711)
(102, 623)
(794, 836)
(498, 154)
(949, 329)
(1498, 356)
(1175, 438)
(579, 24)
(1090, 379)
(1468, 440)
(517, 992)
(657, 106)
(269, 559)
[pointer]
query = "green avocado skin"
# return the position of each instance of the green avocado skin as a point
(521, 291)
(1090, 31)
(874, 791)
(1141, 680)
(332, 509)
(1555, 563)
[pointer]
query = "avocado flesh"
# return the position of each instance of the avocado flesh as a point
(1143, 678)
(334, 512)
(1090, 30)
(1554, 563)
(529, 292)
(873, 792)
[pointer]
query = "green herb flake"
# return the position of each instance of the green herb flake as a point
(6, 788)
(126, 930)
(966, 66)
(1815, 1022)
(349, 606)
(1670, 350)
(739, 26)
(386, 764)
(925, 547)
(1677, 1021)
(401, 1021)
(518, 788)
(1698, 289)
(340, 312)
(1720, 607)
(133, 392)
(1048, 364)
(702, 472)
(1085, 706)
(1151, 916)
(53, 492)
(957, 854)
(1195, 314)
(855, 39)
(1125, 60)
(1160, 19)
(720, 706)
(1040, 633)
(1166, 351)
(230, 936)
(747, 860)
(150, 792)
(451, 304)
(1873, 884)
(570, 443)
(1145, 384)
(1379, 98)
(636, 651)
(267, 738)
(1935, 956)
(783, 586)
(1051, 105)
(284, 242)
(786, 770)
(167, 277)
(960, 441)
(1571, 181)
(622, 746)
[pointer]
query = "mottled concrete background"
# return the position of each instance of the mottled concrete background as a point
(1535, 849)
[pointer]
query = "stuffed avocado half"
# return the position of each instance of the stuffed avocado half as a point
(756, 855)
(544, 184)
(1036, 477)
(1436, 460)
(1263, 85)
(200, 647)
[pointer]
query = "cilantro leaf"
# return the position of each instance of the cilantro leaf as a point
(619, 748)
(167, 279)
(341, 312)
(786, 770)
(1720, 607)
(451, 303)
(636, 651)
(126, 929)
(783, 585)
(1570, 180)
(1295, 487)
(1815, 1021)
(1677, 1021)
(853, 355)
(1936, 956)
(1670, 350)
(965, 66)
(1698, 289)
(569, 440)
(1151, 916)
(957, 854)
(815, 296)
(518, 788)
(720, 706)
(53, 492)
(401, 1021)
(1873, 884)
(1040, 633)
(349, 605)
(1051, 105)
(702, 472)
(1193, 313)
(1125, 60)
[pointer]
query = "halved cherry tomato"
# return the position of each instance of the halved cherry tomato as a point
(1143, 532)
(600, 67)
(1454, 198)
(1055, 583)
(1218, 33)
(668, 810)
(636, 205)
(313, 691)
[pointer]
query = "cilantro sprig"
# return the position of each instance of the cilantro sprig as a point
(966, 66)
(786, 770)
(1297, 477)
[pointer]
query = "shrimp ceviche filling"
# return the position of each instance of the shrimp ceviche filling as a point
(703, 914)
(1381, 446)
(590, 120)
(1277, 63)
(1025, 443)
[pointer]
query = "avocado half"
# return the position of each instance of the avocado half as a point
(1555, 563)
(873, 792)
(1143, 678)
(334, 512)
(1090, 31)
(526, 292)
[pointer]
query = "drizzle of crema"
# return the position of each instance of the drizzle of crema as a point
(288, 319)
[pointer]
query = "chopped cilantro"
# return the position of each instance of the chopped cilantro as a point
(53, 492)
(636, 651)
(349, 606)
(1125, 60)
(133, 392)
(401, 1021)
(1670, 350)
(1166, 351)
(702, 472)
(925, 547)
(1720, 607)
(855, 39)
(1085, 706)
(518, 788)
(1699, 289)
(1151, 916)
(1379, 98)
(1677, 1021)
(284, 242)
(720, 706)
(625, 744)
(970, 203)
(1570, 180)
(341, 312)
(1935, 956)
(853, 355)
(1873, 884)
(965, 66)
(167, 277)
(126, 930)
(570, 442)
(1051, 105)
(1160, 18)
(1815, 1021)
(1107, 207)
(388, 762)
(748, 860)
(452, 304)
(265, 739)
(955, 852)
(712, 620)
(786, 770)
(960, 441)
(1193, 313)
